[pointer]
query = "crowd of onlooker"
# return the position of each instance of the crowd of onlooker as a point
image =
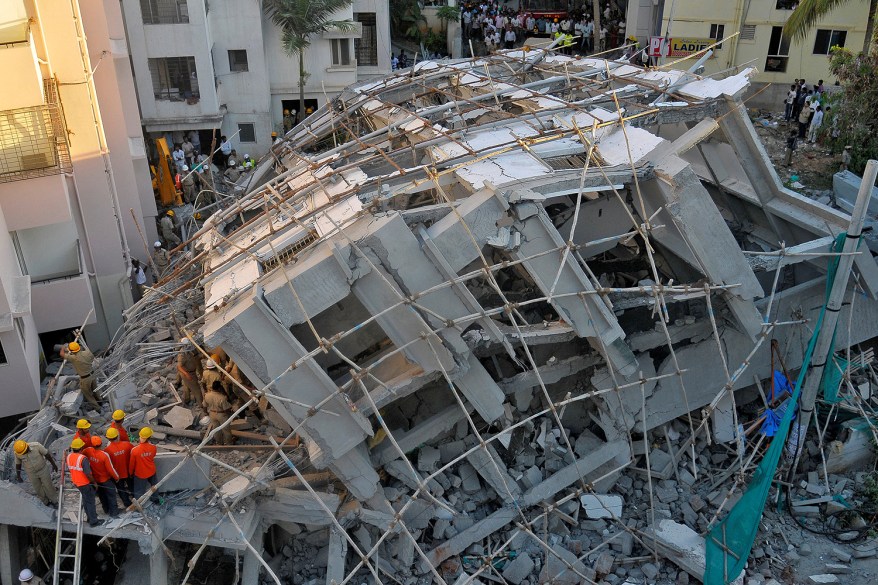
(503, 27)
(808, 108)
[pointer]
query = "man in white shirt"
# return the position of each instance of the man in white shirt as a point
(225, 149)
(588, 35)
(178, 156)
(816, 122)
(790, 101)
(509, 38)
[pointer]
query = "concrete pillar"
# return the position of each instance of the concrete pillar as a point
(252, 565)
(158, 565)
(11, 560)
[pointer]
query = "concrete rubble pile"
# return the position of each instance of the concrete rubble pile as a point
(514, 307)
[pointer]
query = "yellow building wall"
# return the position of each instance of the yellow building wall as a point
(693, 18)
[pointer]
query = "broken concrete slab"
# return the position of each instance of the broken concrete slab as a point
(518, 569)
(299, 506)
(193, 475)
(601, 505)
(684, 547)
(179, 417)
(488, 464)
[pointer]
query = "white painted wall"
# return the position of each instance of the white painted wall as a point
(252, 97)
(172, 40)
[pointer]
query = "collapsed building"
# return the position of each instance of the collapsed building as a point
(483, 293)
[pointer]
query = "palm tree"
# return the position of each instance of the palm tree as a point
(298, 21)
(809, 12)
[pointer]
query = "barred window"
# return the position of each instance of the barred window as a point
(164, 11)
(174, 78)
(366, 47)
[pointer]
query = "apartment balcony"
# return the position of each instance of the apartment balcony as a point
(33, 141)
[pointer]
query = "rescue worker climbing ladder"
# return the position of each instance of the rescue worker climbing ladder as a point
(80, 475)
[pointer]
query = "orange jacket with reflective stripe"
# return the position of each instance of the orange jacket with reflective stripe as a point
(101, 467)
(142, 460)
(123, 434)
(120, 455)
(75, 463)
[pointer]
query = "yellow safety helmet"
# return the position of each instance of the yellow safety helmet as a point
(77, 444)
(274, 134)
(196, 215)
(83, 424)
(145, 433)
(112, 433)
(170, 213)
(118, 415)
(20, 447)
(286, 112)
(73, 347)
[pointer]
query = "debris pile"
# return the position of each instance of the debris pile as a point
(526, 318)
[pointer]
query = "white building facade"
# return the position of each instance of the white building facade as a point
(73, 178)
(219, 68)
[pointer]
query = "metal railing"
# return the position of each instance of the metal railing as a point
(33, 141)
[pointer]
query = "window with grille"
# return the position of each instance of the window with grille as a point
(778, 51)
(717, 33)
(826, 39)
(238, 60)
(164, 11)
(366, 47)
(246, 133)
(174, 78)
(341, 52)
(288, 253)
(32, 143)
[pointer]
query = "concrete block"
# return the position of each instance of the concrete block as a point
(563, 568)
(470, 478)
(70, 403)
(188, 477)
(823, 578)
(179, 417)
(519, 569)
(601, 505)
(428, 459)
(684, 547)
(839, 568)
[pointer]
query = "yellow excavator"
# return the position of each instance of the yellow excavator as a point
(163, 173)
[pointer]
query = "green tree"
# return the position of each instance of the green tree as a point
(299, 21)
(447, 14)
(809, 12)
(406, 19)
(854, 108)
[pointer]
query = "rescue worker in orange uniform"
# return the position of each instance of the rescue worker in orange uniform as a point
(142, 465)
(119, 450)
(82, 427)
(80, 475)
(118, 420)
(104, 475)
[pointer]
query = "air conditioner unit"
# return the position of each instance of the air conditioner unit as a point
(31, 162)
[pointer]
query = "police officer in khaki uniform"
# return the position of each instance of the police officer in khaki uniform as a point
(210, 375)
(33, 457)
(218, 408)
(82, 359)
(189, 368)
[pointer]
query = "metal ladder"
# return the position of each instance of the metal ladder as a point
(62, 542)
